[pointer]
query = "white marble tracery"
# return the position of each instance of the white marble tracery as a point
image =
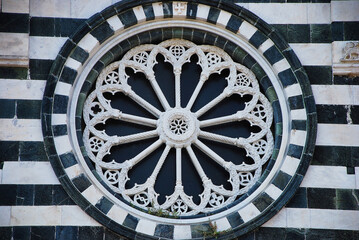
(178, 127)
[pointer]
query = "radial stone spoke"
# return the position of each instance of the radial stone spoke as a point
(196, 163)
(239, 142)
(136, 137)
(138, 120)
(160, 162)
(211, 104)
(145, 153)
(146, 105)
(178, 166)
(222, 120)
(194, 95)
(209, 152)
(159, 93)
(178, 88)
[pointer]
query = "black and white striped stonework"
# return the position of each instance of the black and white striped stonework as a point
(33, 204)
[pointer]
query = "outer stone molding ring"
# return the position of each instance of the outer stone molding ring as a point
(260, 70)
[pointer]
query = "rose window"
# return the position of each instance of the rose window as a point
(181, 126)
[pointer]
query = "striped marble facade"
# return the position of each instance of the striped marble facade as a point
(33, 204)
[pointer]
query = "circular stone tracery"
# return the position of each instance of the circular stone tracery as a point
(178, 127)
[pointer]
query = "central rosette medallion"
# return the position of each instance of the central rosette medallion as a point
(178, 127)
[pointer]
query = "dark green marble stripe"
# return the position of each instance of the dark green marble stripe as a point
(325, 198)
(14, 22)
(13, 72)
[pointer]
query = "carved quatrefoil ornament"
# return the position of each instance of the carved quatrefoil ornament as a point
(164, 119)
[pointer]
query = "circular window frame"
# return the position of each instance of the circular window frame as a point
(196, 129)
(296, 127)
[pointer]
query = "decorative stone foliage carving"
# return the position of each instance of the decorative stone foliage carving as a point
(346, 59)
(178, 127)
(351, 52)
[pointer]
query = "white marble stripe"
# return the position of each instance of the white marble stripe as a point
(319, 13)
(297, 217)
(290, 165)
(88, 43)
(73, 64)
(345, 11)
(265, 45)
(328, 177)
(249, 212)
(5, 215)
(73, 171)
(86, 9)
(337, 135)
(14, 45)
(45, 216)
(315, 219)
(20, 130)
(42, 173)
(63, 88)
(356, 177)
(297, 137)
(50, 8)
(273, 191)
(92, 195)
(304, 51)
(45, 47)
(223, 18)
(157, 10)
(117, 214)
(28, 173)
(18, 6)
(313, 54)
(284, 13)
(74, 216)
(292, 13)
(62, 144)
(115, 23)
(146, 227)
(222, 224)
(22, 89)
(67, 8)
(139, 13)
(281, 66)
(35, 215)
(58, 119)
(182, 232)
(247, 30)
(202, 11)
(293, 90)
(298, 114)
(336, 94)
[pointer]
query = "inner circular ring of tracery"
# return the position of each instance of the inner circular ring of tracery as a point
(178, 127)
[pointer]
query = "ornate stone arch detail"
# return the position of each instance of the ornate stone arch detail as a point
(223, 35)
